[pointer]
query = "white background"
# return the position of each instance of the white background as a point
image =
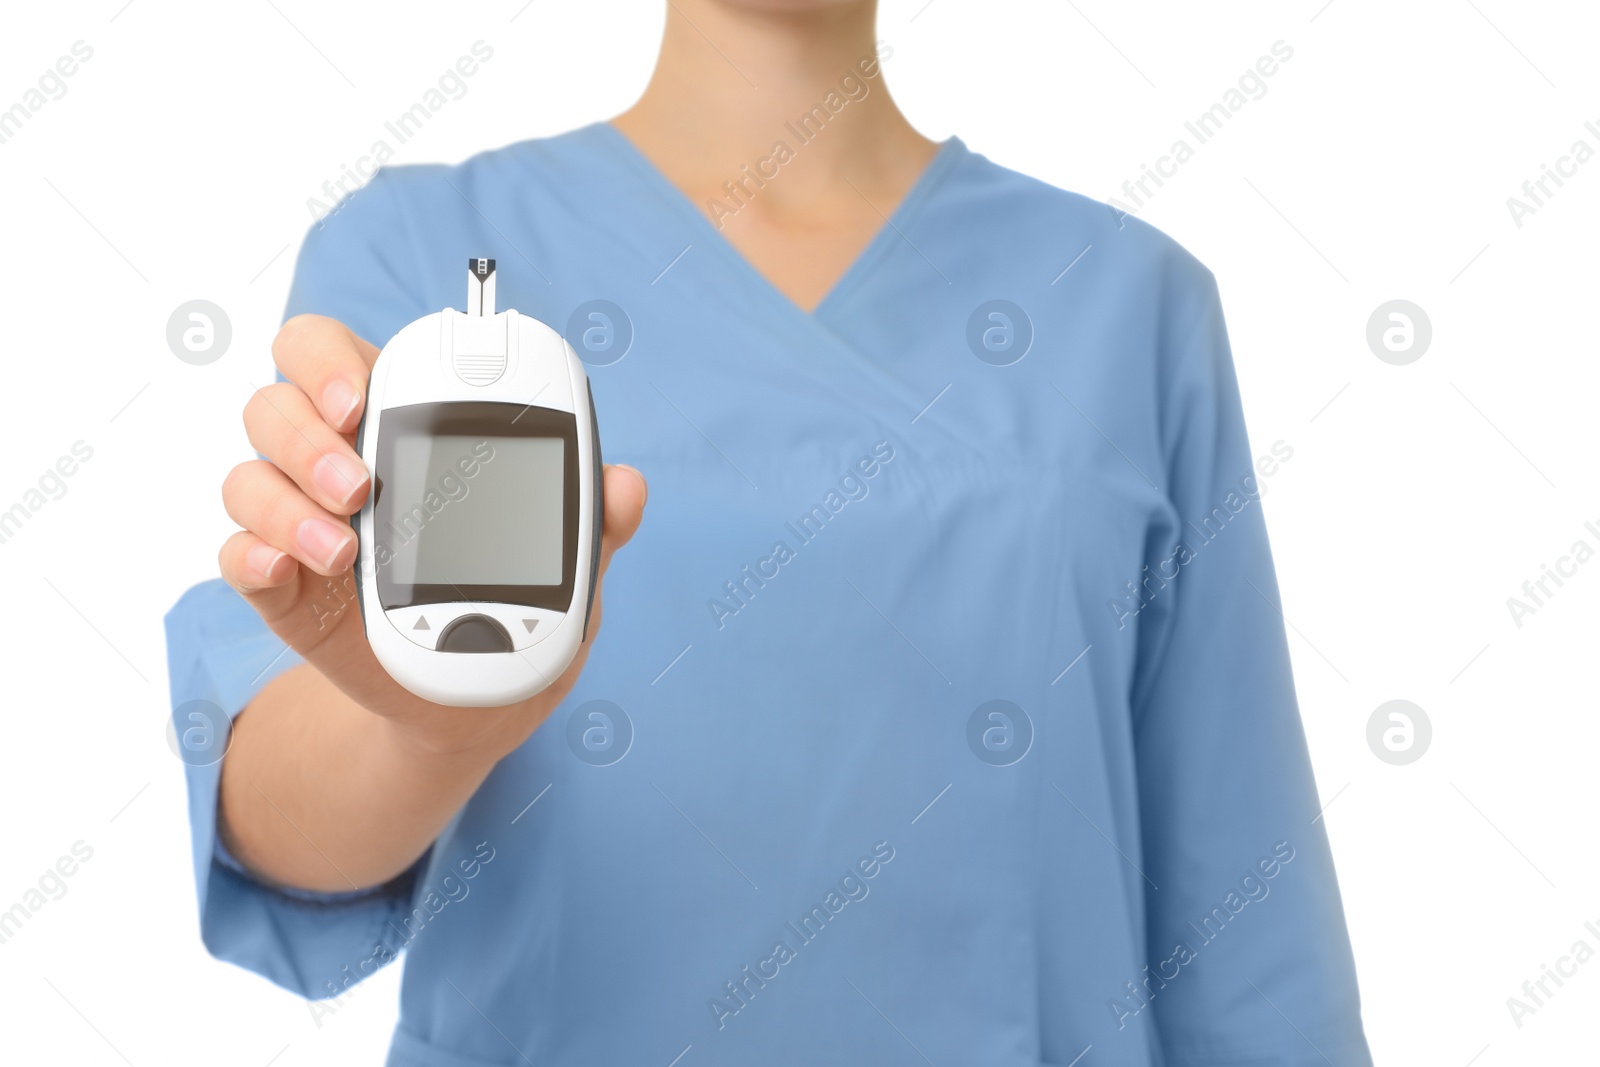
(1420, 497)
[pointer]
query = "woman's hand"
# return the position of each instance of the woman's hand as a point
(292, 561)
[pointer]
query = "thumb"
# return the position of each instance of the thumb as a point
(625, 493)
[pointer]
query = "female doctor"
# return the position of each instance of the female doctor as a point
(942, 710)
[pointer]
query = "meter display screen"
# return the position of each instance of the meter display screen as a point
(485, 511)
(476, 502)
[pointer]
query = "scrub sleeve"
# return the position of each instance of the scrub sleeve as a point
(1226, 794)
(219, 652)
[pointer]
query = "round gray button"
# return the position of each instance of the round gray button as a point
(474, 633)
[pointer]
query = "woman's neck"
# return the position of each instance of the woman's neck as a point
(740, 90)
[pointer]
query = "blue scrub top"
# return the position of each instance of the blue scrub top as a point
(942, 712)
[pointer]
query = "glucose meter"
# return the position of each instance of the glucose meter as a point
(479, 543)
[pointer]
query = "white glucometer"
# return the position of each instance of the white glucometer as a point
(479, 542)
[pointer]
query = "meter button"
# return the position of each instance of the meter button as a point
(420, 623)
(474, 633)
(526, 625)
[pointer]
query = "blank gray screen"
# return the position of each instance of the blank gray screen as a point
(502, 525)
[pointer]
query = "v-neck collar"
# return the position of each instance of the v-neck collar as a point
(887, 235)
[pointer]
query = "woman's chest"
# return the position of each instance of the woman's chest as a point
(810, 495)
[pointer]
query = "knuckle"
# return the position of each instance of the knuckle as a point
(273, 425)
(229, 557)
(269, 401)
(252, 408)
(279, 510)
(234, 482)
(296, 333)
(253, 497)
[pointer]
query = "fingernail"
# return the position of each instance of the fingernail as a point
(339, 402)
(262, 558)
(321, 540)
(339, 475)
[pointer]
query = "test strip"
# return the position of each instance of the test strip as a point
(480, 287)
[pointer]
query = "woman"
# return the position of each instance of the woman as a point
(941, 711)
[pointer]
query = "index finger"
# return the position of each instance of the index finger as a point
(329, 363)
